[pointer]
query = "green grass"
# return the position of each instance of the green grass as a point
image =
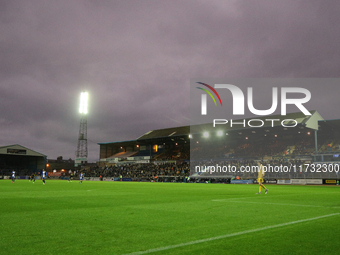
(125, 217)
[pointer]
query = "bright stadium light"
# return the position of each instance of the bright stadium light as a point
(220, 133)
(83, 102)
(206, 134)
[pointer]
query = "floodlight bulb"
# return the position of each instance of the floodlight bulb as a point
(83, 102)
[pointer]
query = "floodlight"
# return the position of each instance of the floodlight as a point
(83, 102)
(220, 133)
(206, 134)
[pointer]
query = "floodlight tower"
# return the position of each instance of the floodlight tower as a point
(81, 154)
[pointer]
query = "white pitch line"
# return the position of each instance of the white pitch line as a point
(256, 197)
(228, 235)
(279, 204)
(248, 202)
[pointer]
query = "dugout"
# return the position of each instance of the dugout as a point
(19, 158)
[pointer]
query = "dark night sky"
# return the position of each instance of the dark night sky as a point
(136, 59)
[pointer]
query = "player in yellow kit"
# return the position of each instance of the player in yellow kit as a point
(260, 178)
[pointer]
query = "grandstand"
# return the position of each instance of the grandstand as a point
(168, 144)
(311, 139)
(20, 159)
(236, 141)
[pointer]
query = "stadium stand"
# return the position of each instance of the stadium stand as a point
(279, 144)
(164, 154)
(20, 159)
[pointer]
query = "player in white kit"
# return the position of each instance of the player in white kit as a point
(13, 176)
(44, 175)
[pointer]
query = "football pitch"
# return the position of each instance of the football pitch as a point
(167, 218)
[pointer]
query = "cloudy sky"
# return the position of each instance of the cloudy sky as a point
(136, 59)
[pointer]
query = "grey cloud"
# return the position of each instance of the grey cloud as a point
(136, 59)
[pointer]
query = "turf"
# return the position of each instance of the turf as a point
(126, 217)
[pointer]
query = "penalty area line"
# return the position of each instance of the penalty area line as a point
(229, 235)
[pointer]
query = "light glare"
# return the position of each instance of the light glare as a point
(83, 102)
